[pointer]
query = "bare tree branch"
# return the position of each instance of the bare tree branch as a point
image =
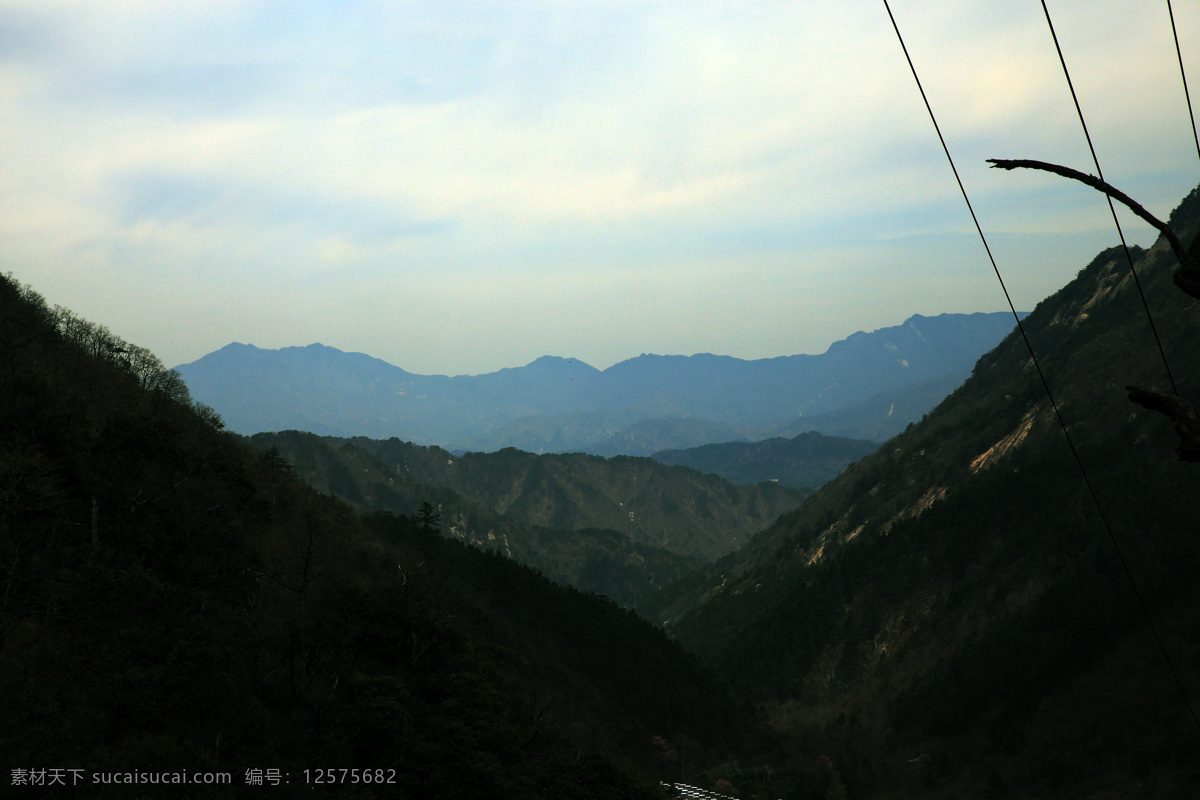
(1182, 414)
(1183, 417)
(1187, 277)
(1103, 186)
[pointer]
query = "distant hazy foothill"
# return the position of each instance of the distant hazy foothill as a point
(809, 460)
(869, 385)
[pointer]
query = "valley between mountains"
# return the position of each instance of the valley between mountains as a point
(934, 596)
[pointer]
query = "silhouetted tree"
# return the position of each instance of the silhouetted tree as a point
(428, 518)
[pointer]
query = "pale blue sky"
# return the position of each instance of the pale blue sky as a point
(457, 187)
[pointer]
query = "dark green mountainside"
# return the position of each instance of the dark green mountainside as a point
(950, 617)
(672, 508)
(176, 600)
(604, 562)
(622, 527)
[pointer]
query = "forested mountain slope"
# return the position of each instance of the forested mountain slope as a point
(669, 507)
(606, 562)
(176, 600)
(950, 617)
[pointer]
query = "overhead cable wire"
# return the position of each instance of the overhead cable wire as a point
(1183, 75)
(1111, 208)
(1041, 376)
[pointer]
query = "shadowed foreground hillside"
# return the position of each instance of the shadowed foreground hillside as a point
(951, 617)
(176, 600)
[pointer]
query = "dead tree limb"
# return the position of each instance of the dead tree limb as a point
(1182, 415)
(1187, 277)
(1102, 186)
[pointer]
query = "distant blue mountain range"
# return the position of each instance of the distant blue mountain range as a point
(563, 404)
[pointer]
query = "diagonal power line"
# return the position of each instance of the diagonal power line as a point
(1041, 375)
(1183, 75)
(1111, 208)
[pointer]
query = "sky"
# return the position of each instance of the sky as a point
(459, 187)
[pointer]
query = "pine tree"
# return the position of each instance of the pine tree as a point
(837, 789)
(429, 518)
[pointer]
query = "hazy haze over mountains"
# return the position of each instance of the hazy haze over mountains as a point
(563, 404)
